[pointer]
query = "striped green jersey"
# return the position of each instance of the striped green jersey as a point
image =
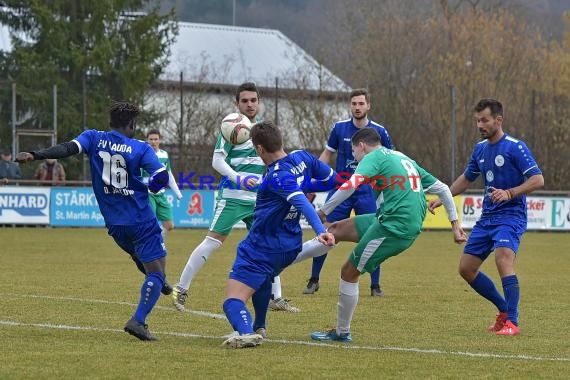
(243, 160)
(398, 183)
(164, 160)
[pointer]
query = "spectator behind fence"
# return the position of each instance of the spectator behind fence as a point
(8, 168)
(51, 173)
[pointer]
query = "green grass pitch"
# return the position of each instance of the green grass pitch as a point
(65, 295)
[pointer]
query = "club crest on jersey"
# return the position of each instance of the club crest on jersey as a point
(499, 160)
(490, 176)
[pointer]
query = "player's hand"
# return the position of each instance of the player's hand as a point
(179, 196)
(498, 195)
(24, 157)
(249, 183)
(459, 236)
(433, 204)
(326, 238)
(311, 197)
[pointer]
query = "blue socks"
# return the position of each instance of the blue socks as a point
(375, 277)
(238, 315)
(260, 300)
(317, 266)
(512, 296)
(150, 292)
(483, 285)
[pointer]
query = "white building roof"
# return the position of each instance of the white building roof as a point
(230, 55)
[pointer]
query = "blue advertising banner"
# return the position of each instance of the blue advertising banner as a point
(194, 210)
(75, 206)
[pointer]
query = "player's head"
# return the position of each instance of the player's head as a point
(489, 118)
(364, 141)
(123, 117)
(153, 138)
(359, 103)
(247, 100)
(266, 137)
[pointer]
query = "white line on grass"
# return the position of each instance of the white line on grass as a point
(196, 312)
(304, 343)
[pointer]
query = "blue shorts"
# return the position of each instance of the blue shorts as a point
(361, 201)
(488, 235)
(254, 268)
(141, 240)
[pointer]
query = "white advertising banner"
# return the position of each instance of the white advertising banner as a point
(544, 213)
(24, 205)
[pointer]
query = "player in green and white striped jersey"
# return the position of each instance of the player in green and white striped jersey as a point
(158, 201)
(241, 169)
(398, 183)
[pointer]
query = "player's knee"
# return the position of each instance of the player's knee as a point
(349, 273)
(467, 273)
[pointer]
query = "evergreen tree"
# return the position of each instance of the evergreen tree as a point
(95, 51)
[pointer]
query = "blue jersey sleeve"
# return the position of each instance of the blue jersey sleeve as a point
(524, 160)
(149, 160)
(85, 139)
(472, 170)
(158, 178)
(333, 142)
(385, 138)
(323, 178)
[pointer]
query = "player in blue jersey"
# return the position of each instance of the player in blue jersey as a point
(116, 160)
(362, 201)
(275, 238)
(509, 172)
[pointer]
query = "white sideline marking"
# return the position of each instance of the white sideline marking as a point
(158, 307)
(298, 342)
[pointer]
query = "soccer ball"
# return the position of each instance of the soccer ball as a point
(235, 128)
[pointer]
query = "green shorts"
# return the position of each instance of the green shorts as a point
(160, 206)
(375, 244)
(228, 213)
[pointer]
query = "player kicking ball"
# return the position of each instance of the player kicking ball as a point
(275, 237)
(395, 226)
(116, 160)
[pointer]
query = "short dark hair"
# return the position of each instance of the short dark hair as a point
(494, 105)
(268, 135)
(247, 86)
(153, 132)
(358, 92)
(367, 135)
(123, 114)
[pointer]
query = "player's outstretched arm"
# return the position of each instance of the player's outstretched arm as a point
(62, 150)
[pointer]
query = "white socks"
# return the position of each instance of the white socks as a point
(276, 287)
(311, 248)
(347, 301)
(197, 260)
